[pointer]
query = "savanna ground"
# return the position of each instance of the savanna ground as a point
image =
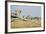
(19, 23)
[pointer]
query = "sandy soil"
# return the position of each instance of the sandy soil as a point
(18, 23)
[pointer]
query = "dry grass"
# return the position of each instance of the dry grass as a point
(18, 23)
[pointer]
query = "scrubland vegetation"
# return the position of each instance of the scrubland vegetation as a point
(22, 23)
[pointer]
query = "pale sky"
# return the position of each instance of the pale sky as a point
(33, 11)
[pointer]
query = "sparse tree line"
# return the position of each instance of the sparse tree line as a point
(18, 12)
